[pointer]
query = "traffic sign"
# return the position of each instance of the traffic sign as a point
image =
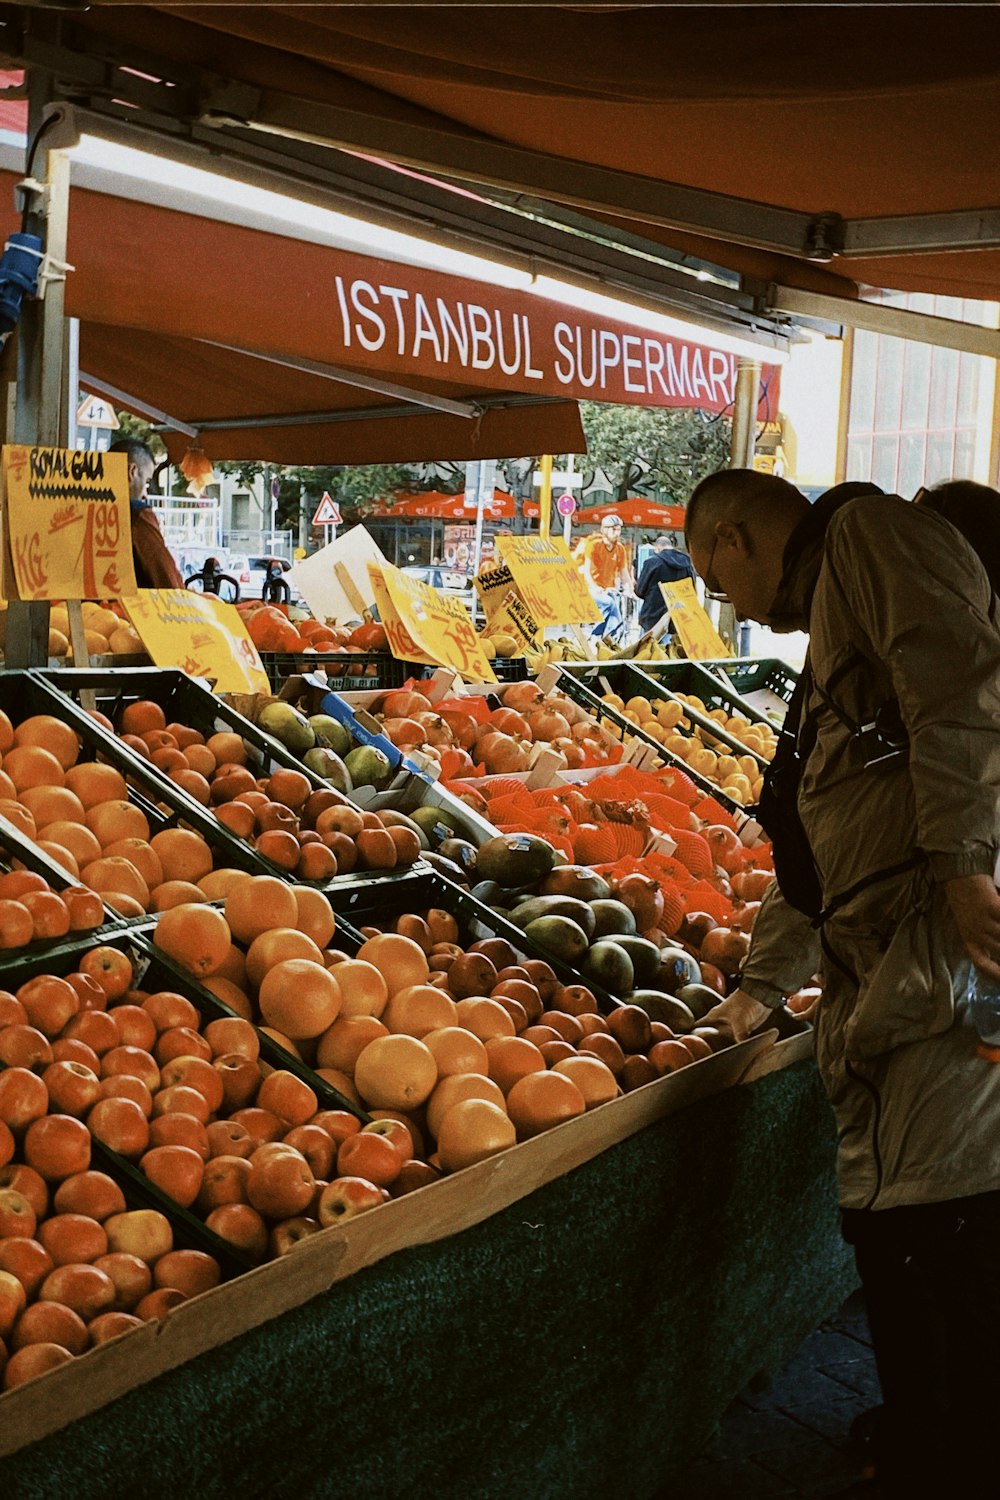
(566, 505)
(94, 411)
(327, 511)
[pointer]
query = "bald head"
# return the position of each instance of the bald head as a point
(737, 524)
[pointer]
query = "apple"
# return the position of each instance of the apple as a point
(345, 1198)
(291, 1232)
(629, 1025)
(144, 1232)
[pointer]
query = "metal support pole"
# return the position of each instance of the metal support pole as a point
(42, 395)
(741, 454)
(545, 495)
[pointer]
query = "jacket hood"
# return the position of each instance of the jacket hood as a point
(803, 556)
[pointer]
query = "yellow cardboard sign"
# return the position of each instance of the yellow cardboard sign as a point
(492, 585)
(66, 523)
(699, 637)
(548, 580)
(200, 634)
(439, 626)
(511, 616)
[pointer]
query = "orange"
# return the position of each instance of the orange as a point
(280, 847)
(300, 998)
(125, 906)
(30, 765)
(218, 883)
(142, 716)
(540, 1100)
(237, 817)
(290, 788)
(315, 915)
(363, 990)
(110, 822)
(418, 1009)
(485, 1018)
(316, 862)
(274, 947)
(255, 905)
(184, 736)
(191, 782)
(471, 1131)
(196, 937)
(141, 854)
(7, 787)
(341, 1044)
(52, 804)
(50, 734)
(593, 1078)
(456, 1051)
(93, 783)
(399, 960)
(81, 843)
(6, 733)
(200, 759)
(62, 857)
(233, 967)
(395, 1072)
(184, 855)
(230, 994)
(16, 926)
(19, 816)
(170, 893)
(112, 873)
(512, 1058)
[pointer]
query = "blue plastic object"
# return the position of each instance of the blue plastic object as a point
(19, 267)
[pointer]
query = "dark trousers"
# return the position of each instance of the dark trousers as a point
(931, 1279)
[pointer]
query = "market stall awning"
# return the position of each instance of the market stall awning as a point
(635, 511)
(439, 506)
(802, 146)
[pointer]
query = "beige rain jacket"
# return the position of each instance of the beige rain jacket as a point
(898, 607)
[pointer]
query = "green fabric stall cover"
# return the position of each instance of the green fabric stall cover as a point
(582, 1342)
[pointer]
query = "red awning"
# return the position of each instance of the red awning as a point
(634, 512)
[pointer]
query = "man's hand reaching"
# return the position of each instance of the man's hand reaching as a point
(738, 1014)
(975, 905)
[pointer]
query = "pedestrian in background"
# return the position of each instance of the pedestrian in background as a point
(668, 564)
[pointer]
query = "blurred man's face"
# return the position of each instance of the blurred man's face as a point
(737, 570)
(139, 474)
(611, 533)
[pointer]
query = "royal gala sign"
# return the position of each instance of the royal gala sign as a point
(426, 324)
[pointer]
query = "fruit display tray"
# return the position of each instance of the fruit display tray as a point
(17, 851)
(765, 679)
(571, 684)
(666, 679)
(343, 670)
(190, 702)
(426, 888)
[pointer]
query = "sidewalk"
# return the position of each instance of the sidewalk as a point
(791, 1441)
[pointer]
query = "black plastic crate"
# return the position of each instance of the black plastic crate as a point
(358, 670)
(510, 668)
(581, 692)
(189, 701)
(749, 674)
(663, 680)
(426, 888)
(18, 850)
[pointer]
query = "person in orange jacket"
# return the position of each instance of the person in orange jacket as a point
(154, 566)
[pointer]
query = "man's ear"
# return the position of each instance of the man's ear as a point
(731, 533)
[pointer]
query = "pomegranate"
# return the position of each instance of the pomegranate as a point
(402, 703)
(751, 885)
(585, 730)
(463, 727)
(501, 755)
(403, 731)
(572, 750)
(509, 721)
(725, 948)
(726, 848)
(522, 696)
(435, 729)
(643, 898)
(744, 916)
(548, 725)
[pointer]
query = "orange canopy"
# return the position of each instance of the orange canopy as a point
(436, 505)
(826, 146)
(634, 512)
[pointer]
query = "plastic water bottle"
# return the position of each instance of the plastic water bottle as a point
(983, 996)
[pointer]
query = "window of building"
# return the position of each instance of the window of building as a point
(920, 414)
(241, 511)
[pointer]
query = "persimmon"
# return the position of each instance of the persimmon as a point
(183, 855)
(195, 937)
(258, 904)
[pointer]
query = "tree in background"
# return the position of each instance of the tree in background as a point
(655, 452)
(354, 489)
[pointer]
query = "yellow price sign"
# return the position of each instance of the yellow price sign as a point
(67, 526)
(201, 635)
(438, 625)
(699, 637)
(511, 616)
(492, 586)
(548, 580)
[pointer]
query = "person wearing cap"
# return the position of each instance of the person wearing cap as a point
(667, 564)
(604, 563)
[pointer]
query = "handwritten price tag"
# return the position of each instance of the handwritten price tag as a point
(512, 617)
(437, 625)
(492, 586)
(699, 637)
(201, 635)
(548, 580)
(67, 524)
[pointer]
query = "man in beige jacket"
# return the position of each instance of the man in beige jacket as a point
(904, 831)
